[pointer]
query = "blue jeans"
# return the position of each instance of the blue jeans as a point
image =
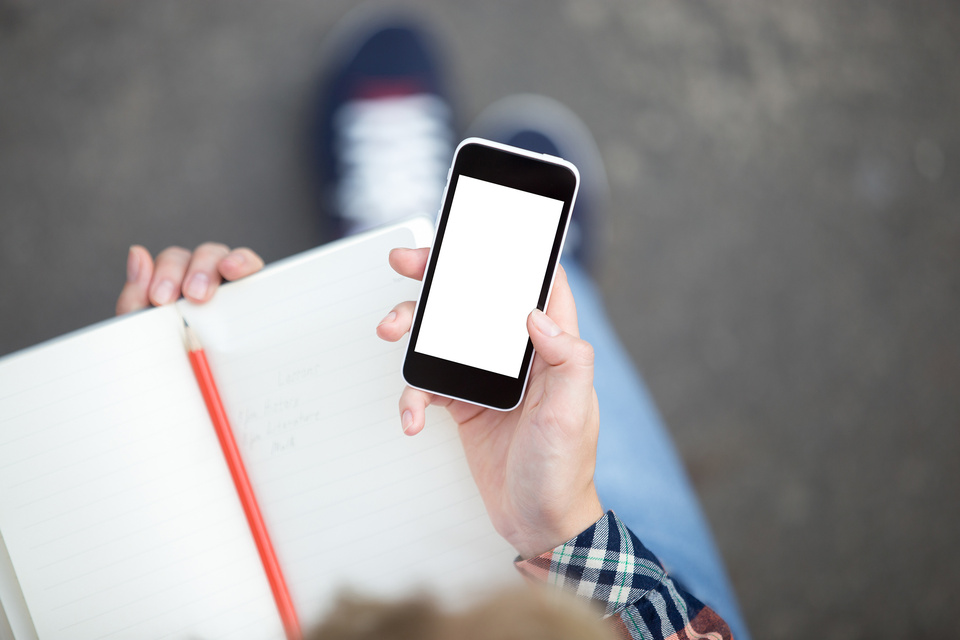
(639, 474)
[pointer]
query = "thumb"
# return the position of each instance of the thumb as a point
(559, 349)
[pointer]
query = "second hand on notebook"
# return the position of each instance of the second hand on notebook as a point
(201, 368)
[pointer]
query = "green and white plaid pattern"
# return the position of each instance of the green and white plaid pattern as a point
(609, 565)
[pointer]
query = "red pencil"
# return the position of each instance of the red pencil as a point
(201, 368)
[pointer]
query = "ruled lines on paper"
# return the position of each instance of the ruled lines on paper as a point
(117, 512)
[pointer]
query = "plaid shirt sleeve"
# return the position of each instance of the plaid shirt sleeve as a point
(609, 565)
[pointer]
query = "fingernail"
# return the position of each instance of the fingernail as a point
(545, 325)
(390, 318)
(133, 265)
(197, 288)
(406, 420)
(163, 293)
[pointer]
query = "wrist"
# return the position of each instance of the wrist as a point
(554, 529)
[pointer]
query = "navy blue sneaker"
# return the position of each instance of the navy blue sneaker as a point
(386, 137)
(543, 125)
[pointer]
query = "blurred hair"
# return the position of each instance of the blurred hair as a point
(514, 614)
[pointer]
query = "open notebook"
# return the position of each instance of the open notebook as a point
(118, 517)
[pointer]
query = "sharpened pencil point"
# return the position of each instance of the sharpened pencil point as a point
(190, 338)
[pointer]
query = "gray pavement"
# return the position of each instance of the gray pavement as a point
(782, 258)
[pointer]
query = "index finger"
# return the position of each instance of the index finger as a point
(410, 262)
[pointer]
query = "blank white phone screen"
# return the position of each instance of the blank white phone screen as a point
(488, 276)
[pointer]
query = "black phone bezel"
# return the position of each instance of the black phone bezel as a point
(538, 175)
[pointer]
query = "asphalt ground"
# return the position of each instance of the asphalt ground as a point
(780, 256)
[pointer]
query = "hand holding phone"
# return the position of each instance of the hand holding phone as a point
(534, 464)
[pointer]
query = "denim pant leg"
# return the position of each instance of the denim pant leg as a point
(639, 473)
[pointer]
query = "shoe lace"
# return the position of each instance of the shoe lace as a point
(394, 153)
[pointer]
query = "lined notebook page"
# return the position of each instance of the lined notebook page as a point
(312, 394)
(117, 510)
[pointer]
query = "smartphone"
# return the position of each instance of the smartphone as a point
(499, 235)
